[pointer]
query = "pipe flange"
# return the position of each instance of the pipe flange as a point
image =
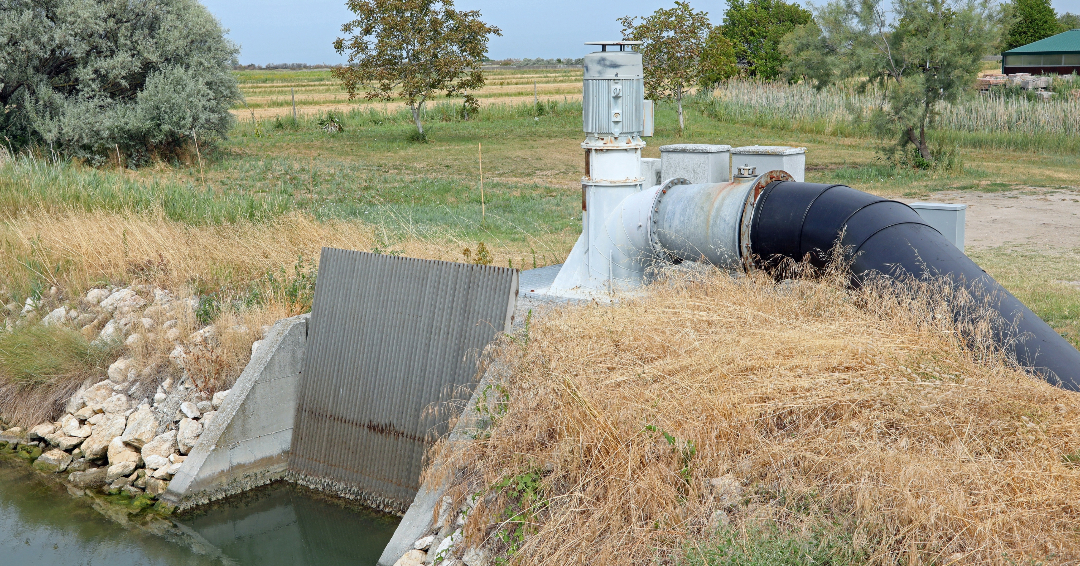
(762, 181)
(654, 209)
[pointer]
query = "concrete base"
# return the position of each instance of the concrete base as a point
(247, 444)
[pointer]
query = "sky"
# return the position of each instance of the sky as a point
(302, 31)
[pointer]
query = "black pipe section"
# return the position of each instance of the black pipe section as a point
(884, 237)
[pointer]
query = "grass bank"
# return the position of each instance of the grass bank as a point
(741, 421)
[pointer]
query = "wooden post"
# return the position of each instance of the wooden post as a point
(293, 91)
(199, 155)
(483, 211)
(536, 101)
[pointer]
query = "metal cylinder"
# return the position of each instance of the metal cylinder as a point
(613, 91)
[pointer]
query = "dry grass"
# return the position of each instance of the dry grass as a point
(856, 413)
(76, 251)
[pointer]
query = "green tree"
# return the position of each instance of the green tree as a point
(756, 27)
(413, 49)
(717, 59)
(1068, 21)
(98, 78)
(928, 52)
(673, 41)
(1032, 20)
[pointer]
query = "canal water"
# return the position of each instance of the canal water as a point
(280, 524)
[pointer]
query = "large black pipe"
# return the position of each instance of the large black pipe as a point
(880, 236)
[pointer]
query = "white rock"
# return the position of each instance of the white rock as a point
(110, 332)
(255, 347)
(424, 543)
(97, 394)
(116, 404)
(122, 301)
(159, 397)
(412, 558)
(141, 426)
(177, 355)
(85, 413)
(70, 426)
(28, 306)
(188, 434)
(177, 459)
(219, 399)
(111, 426)
(117, 471)
(95, 296)
(171, 325)
(726, 489)
(96, 419)
(190, 410)
(163, 446)
(147, 323)
(202, 335)
(123, 370)
(133, 340)
(55, 461)
(207, 418)
(447, 545)
(119, 452)
(69, 442)
(163, 473)
(475, 557)
(55, 317)
(204, 406)
(162, 297)
(41, 431)
(156, 462)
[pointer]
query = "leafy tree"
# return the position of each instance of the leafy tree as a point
(1068, 21)
(1032, 20)
(717, 59)
(673, 44)
(96, 78)
(926, 53)
(756, 28)
(413, 49)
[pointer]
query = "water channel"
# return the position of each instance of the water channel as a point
(280, 524)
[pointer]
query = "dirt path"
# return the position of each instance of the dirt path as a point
(1043, 218)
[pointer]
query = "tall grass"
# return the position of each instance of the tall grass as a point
(41, 367)
(30, 184)
(976, 120)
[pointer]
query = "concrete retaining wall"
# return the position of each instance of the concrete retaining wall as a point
(247, 444)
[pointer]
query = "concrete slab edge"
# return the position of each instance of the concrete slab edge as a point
(193, 484)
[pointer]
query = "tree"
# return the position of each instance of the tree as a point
(1032, 20)
(926, 53)
(1068, 21)
(98, 78)
(413, 49)
(717, 59)
(673, 41)
(756, 27)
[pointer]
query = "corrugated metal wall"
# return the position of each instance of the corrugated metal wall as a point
(598, 105)
(390, 339)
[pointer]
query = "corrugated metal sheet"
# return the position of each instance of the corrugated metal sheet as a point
(390, 340)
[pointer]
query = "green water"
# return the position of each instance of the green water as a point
(41, 524)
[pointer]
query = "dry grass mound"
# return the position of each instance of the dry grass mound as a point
(723, 412)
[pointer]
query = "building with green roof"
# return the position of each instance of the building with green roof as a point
(1056, 55)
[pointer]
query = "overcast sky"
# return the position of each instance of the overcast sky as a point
(302, 31)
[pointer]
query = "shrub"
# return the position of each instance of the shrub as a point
(115, 80)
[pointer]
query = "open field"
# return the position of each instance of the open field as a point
(270, 93)
(246, 220)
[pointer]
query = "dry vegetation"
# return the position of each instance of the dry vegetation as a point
(852, 423)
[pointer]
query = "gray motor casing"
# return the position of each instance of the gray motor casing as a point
(613, 94)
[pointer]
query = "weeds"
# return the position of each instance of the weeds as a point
(41, 367)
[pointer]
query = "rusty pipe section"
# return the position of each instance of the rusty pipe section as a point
(679, 221)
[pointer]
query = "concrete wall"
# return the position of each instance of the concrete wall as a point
(697, 163)
(248, 442)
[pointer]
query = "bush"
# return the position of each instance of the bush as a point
(107, 80)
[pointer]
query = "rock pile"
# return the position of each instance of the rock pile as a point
(131, 430)
(443, 543)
